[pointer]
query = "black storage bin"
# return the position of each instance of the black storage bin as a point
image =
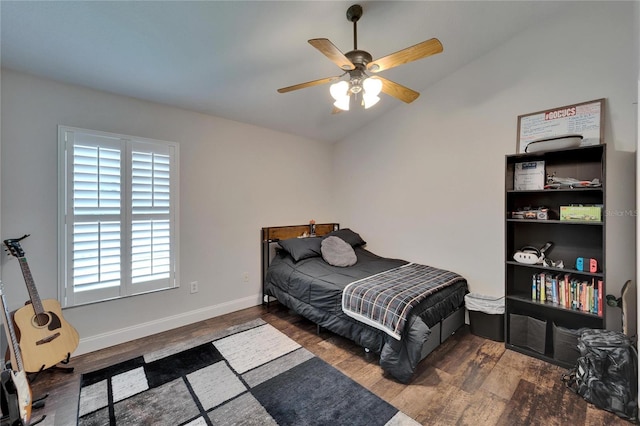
(565, 344)
(528, 332)
(486, 316)
(489, 326)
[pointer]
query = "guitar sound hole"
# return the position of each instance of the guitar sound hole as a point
(41, 319)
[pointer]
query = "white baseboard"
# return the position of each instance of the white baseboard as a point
(112, 338)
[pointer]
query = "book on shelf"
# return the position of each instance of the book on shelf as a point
(554, 289)
(548, 288)
(600, 298)
(568, 291)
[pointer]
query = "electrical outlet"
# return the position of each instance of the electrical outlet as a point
(194, 287)
(245, 277)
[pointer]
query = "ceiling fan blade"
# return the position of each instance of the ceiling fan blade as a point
(397, 90)
(329, 50)
(410, 54)
(307, 84)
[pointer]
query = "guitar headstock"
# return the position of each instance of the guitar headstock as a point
(13, 246)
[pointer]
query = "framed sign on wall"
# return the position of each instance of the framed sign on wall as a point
(567, 126)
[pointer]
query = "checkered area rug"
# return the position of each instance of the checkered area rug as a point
(252, 375)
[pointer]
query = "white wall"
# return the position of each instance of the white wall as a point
(235, 179)
(426, 182)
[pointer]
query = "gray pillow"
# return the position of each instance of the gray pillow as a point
(337, 252)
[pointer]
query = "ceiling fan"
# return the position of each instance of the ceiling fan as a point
(357, 63)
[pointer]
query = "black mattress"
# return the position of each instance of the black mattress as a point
(313, 288)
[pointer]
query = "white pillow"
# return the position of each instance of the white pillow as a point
(337, 252)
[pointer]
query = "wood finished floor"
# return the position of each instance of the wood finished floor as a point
(466, 381)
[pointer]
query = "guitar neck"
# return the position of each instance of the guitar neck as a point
(16, 355)
(31, 286)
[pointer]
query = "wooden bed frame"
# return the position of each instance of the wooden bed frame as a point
(271, 235)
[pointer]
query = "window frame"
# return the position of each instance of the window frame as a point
(66, 216)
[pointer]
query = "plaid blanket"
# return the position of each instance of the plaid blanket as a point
(385, 300)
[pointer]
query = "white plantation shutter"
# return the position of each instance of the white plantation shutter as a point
(96, 179)
(96, 255)
(150, 250)
(150, 209)
(118, 215)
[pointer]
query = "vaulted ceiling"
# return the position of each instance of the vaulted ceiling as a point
(227, 58)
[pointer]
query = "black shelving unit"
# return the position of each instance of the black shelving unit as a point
(571, 239)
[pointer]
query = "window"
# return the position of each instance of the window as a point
(118, 215)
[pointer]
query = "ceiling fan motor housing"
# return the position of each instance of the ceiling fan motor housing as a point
(359, 58)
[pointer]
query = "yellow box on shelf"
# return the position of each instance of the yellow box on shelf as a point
(581, 213)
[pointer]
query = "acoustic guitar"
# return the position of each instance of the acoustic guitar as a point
(15, 386)
(44, 336)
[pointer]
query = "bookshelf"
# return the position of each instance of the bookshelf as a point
(572, 239)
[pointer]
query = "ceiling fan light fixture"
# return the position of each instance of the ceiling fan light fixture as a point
(342, 103)
(339, 90)
(369, 100)
(372, 86)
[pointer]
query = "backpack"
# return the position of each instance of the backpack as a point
(606, 372)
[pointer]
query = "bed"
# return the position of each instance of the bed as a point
(296, 272)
